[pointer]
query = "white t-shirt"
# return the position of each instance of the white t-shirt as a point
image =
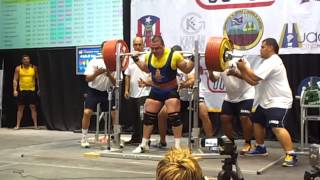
(236, 89)
(203, 89)
(136, 74)
(273, 90)
(101, 82)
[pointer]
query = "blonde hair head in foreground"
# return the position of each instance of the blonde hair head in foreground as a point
(179, 164)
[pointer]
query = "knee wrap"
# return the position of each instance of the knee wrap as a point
(175, 119)
(149, 118)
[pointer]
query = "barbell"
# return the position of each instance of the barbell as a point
(185, 53)
(217, 53)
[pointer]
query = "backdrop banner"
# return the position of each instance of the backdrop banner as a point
(295, 24)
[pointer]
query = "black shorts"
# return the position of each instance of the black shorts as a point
(95, 96)
(163, 94)
(242, 108)
(272, 117)
(27, 98)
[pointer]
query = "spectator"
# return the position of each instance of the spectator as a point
(26, 76)
(179, 164)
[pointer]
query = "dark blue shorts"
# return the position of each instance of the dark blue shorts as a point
(95, 96)
(163, 94)
(272, 117)
(242, 108)
(27, 98)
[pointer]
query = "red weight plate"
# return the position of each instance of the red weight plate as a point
(212, 54)
(109, 54)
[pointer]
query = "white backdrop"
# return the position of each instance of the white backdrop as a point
(294, 23)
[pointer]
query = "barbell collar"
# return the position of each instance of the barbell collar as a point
(228, 55)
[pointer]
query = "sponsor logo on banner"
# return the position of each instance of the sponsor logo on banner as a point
(148, 26)
(291, 37)
(192, 25)
(232, 4)
(244, 28)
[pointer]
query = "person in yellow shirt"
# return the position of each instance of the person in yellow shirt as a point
(25, 81)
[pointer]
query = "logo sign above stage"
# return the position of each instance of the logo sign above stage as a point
(293, 38)
(244, 28)
(300, 31)
(186, 21)
(290, 36)
(232, 4)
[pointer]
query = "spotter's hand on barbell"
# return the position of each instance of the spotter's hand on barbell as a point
(100, 71)
(241, 65)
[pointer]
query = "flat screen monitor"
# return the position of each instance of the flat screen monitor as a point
(59, 23)
(84, 55)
